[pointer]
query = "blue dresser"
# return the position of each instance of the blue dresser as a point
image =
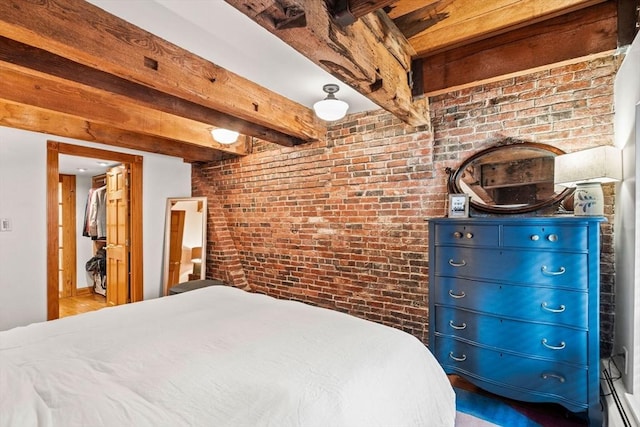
(514, 306)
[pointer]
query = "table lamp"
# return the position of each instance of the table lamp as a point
(586, 170)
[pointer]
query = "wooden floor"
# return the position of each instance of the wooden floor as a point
(70, 306)
(545, 414)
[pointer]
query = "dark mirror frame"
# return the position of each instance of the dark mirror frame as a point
(455, 176)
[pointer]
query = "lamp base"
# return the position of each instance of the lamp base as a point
(588, 199)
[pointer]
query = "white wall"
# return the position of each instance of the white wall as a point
(23, 251)
(627, 241)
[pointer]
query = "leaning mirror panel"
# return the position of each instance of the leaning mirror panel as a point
(185, 240)
(509, 178)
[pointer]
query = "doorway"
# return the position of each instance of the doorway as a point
(134, 163)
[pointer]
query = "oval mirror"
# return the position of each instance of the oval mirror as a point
(509, 178)
(185, 240)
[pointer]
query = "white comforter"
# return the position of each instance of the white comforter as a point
(219, 356)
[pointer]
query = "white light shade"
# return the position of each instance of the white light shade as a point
(330, 109)
(586, 170)
(225, 136)
(599, 164)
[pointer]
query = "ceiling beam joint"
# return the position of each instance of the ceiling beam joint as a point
(342, 14)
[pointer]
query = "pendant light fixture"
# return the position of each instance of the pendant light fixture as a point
(224, 136)
(330, 108)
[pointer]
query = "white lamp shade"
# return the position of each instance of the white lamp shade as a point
(586, 170)
(599, 164)
(225, 136)
(330, 109)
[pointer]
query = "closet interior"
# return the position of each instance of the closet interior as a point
(95, 228)
(83, 236)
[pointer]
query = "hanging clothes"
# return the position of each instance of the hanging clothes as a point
(97, 214)
(87, 213)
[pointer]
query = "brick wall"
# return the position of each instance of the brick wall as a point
(341, 223)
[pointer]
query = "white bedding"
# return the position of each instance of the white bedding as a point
(219, 356)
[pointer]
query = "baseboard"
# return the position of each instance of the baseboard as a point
(633, 407)
(618, 407)
(81, 292)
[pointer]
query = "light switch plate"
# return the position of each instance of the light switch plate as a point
(5, 224)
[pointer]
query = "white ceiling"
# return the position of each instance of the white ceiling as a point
(71, 165)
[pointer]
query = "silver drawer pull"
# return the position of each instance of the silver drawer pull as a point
(553, 347)
(462, 263)
(469, 235)
(535, 237)
(546, 272)
(458, 327)
(552, 237)
(553, 310)
(547, 375)
(457, 235)
(460, 295)
(458, 359)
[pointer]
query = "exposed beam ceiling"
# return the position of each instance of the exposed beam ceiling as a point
(104, 79)
(370, 55)
(84, 34)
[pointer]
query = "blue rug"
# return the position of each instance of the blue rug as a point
(484, 408)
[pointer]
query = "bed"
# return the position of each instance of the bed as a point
(219, 356)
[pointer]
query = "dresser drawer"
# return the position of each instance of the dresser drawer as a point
(558, 381)
(540, 304)
(467, 234)
(561, 237)
(530, 339)
(526, 267)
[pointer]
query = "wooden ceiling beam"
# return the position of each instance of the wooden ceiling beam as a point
(87, 35)
(628, 21)
(26, 86)
(40, 60)
(436, 27)
(585, 32)
(407, 6)
(370, 55)
(28, 117)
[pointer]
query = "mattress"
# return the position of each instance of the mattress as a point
(219, 356)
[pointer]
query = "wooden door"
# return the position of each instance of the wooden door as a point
(118, 278)
(67, 235)
(134, 164)
(176, 232)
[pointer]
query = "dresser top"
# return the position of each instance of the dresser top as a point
(529, 220)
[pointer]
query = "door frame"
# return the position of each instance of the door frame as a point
(55, 148)
(67, 224)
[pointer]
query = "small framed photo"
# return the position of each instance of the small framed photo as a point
(458, 205)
